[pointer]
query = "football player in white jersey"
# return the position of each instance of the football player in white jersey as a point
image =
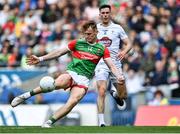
(111, 35)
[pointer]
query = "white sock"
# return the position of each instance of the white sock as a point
(101, 118)
(49, 122)
(27, 95)
(115, 94)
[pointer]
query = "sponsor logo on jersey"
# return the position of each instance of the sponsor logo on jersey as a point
(105, 41)
(85, 55)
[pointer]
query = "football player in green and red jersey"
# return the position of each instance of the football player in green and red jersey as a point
(86, 53)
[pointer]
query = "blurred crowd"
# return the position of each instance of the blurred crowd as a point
(39, 26)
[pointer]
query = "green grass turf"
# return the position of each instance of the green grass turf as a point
(88, 129)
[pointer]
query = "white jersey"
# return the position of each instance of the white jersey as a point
(111, 36)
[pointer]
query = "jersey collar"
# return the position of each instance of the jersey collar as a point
(110, 22)
(92, 44)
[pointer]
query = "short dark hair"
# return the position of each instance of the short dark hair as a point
(88, 24)
(104, 6)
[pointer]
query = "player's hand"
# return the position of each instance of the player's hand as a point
(32, 60)
(121, 55)
(120, 79)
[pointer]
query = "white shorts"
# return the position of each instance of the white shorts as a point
(102, 72)
(79, 79)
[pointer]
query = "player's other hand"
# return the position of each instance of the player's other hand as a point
(120, 79)
(32, 60)
(121, 55)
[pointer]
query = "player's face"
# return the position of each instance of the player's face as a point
(90, 35)
(105, 15)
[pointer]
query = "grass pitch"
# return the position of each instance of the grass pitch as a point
(88, 129)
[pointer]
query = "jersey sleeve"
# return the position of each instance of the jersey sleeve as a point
(122, 33)
(106, 53)
(71, 45)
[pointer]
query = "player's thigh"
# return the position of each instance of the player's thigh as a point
(79, 80)
(63, 81)
(101, 84)
(102, 73)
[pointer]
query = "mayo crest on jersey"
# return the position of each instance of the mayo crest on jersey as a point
(110, 36)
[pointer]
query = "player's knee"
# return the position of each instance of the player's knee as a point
(102, 92)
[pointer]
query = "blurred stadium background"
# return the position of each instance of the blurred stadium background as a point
(39, 26)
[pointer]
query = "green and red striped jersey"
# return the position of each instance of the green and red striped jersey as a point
(86, 56)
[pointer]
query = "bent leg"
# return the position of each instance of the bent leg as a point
(120, 86)
(76, 95)
(63, 81)
(121, 89)
(121, 93)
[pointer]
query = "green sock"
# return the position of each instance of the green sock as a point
(32, 93)
(53, 120)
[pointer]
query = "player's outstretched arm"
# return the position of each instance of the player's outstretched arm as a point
(32, 60)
